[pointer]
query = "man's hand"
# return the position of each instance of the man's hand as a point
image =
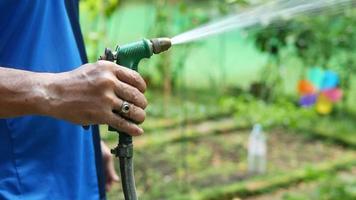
(88, 95)
(109, 168)
(92, 93)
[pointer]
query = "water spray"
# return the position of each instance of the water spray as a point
(263, 15)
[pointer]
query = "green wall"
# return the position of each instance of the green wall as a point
(225, 59)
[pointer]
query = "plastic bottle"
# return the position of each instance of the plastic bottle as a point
(257, 151)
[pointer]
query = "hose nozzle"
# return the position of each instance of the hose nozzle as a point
(160, 45)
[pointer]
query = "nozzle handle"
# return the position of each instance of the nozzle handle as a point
(130, 56)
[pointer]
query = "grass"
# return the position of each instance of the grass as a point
(195, 165)
(333, 186)
(270, 183)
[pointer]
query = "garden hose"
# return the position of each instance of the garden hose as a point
(129, 56)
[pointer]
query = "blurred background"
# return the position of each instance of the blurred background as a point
(267, 112)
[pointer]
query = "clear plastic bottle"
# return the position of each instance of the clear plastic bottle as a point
(257, 151)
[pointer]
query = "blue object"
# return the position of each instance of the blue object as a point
(331, 80)
(42, 157)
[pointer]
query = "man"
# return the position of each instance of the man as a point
(47, 94)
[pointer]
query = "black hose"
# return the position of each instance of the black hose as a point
(127, 178)
(124, 151)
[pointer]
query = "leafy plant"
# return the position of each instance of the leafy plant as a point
(325, 40)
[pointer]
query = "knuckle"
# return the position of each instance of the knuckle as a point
(107, 63)
(126, 88)
(107, 80)
(121, 124)
(109, 99)
(141, 84)
(135, 131)
(135, 77)
(118, 71)
(138, 78)
(122, 72)
(145, 103)
(130, 128)
(137, 115)
(101, 63)
(131, 93)
(135, 98)
(142, 117)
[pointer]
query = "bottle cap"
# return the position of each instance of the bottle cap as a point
(257, 128)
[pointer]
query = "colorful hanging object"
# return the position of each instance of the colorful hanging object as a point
(320, 89)
(323, 105)
(305, 87)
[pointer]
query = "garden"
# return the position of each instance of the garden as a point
(292, 78)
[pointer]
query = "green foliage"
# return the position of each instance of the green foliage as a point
(316, 39)
(286, 113)
(94, 16)
(331, 188)
(327, 39)
(281, 113)
(95, 8)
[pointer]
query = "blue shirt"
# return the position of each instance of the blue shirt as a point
(42, 157)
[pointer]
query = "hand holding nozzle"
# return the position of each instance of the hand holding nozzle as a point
(129, 56)
(95, 92)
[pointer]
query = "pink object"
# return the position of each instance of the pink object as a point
(334, 95)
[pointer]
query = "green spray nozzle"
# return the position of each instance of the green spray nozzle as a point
(130, 56)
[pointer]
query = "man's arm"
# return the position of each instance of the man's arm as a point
(21, 92)
(87, 95)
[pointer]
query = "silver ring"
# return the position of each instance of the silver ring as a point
(125, 107)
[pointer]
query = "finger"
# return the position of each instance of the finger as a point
(110, 182)
(131, 77)
(130, 94)
(112, 172)
(108, 185)
(124, 125)
(111, 175)
(135, 114)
